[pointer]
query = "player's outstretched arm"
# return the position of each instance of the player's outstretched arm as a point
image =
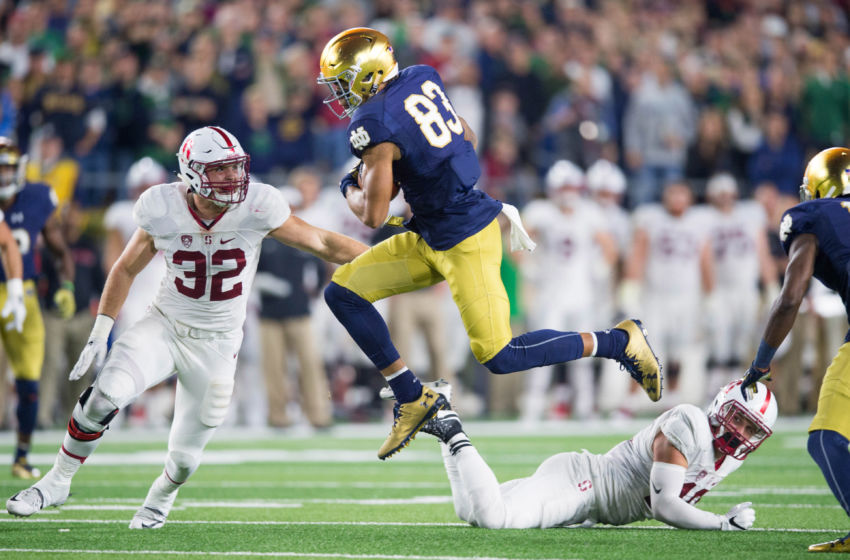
(327, 245)
(798, 273)
(783, 312)
(665, 484)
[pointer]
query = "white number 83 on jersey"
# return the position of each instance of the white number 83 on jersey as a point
(437, 130)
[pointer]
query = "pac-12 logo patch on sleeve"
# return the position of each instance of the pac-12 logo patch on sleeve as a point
(785, 227)
(359, 138)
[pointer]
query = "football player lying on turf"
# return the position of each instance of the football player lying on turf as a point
(660, 473)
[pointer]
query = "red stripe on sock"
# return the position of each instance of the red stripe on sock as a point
(72, 456)
(77, 433)
(165, 472)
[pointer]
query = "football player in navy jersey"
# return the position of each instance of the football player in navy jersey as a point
(409, 137)
(29, 210)
(816, 236)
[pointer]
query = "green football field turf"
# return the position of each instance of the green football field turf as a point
(281, 495)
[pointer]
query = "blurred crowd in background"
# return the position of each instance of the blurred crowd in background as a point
(651, 145)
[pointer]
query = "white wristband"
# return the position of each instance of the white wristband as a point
(15, 287)
(102, 327)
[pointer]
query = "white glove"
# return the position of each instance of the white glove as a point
(628, 297)
(95, 348)
(739, 518)
(14, 307)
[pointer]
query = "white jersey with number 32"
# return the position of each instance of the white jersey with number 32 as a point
(210, 266)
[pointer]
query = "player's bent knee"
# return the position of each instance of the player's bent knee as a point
(180, 465)
(216, 402)
(94, 411)
(503, 362)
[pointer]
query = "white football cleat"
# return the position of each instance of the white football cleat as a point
(148, 518)
(37, 497)
(440, 386)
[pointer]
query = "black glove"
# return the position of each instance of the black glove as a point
(350, 179)
(751, 377)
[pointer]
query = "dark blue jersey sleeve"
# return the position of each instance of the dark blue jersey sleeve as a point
(366, 132)
(802, 218)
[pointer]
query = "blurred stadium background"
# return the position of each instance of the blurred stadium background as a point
(663, 91)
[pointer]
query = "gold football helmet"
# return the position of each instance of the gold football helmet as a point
(353, 65)
(827, 175)
(12, 165)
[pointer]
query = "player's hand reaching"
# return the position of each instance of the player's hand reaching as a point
(754, 374)
(739, 518)
(95, 349)
(14, 307)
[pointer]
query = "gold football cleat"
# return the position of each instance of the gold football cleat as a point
(409, 419)
(22, 469)
(639, 359)
(838, 545)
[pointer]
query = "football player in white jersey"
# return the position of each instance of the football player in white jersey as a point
(120, 227)
(738, 233)
(571, 235)
(660, 473)
(209, 226)
(670, 266)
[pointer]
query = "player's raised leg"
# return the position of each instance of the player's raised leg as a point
(471, 269)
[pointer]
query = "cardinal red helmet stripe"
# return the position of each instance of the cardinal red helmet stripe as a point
(223, 135)
(766, 402)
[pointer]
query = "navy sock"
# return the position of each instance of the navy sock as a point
(829, 450)
(535, 349)
(363, 323)
(27, 405)
(21, 451)
(610, 343)
(406, 386)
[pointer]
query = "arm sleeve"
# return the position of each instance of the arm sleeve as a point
(665, 481)
(797, 220)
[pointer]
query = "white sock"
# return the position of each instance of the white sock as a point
(162, 494)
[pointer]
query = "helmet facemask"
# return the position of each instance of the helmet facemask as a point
(342, 96)
(210, 148)
(730, 427)
(223, 193)
(739, 425)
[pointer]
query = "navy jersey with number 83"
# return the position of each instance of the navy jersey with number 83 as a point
(438, 169)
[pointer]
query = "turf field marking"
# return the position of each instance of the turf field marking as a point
(261, 554)
(378, 524)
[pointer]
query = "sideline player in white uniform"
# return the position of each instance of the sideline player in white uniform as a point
(670, 264)
(210, 227)
(738, 233)
(660, 473)
(120, 227)
(571, 236)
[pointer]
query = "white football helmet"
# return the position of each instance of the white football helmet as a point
(729, 409)
(604, 176)
(564, 173)
(208, 147)
(143, 174)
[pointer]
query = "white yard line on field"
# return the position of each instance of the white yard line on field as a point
(374, 524)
